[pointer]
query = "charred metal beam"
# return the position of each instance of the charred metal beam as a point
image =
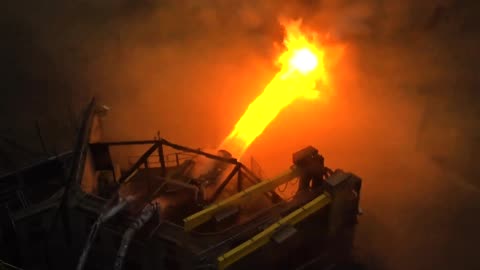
(176, 159)
(117, 143)
(130, 173)
(199, 152)
(249, 178)
(139, 162)
(161, 158)
(172, 145)
(250, 174)
(7, 266)
(80, 151)
(225, 182)
(22, 170)
(76, 169)
(239, 180)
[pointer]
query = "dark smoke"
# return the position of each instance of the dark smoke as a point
(404, 116)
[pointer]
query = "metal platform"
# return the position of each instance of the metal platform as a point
(170, 218)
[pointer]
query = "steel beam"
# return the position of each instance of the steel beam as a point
(174, 146)
(139, 162)
(225, 183)
(117, 143)
(76, 171)
(161, 159)
(199, 152)
(239, 180)
(250, 173)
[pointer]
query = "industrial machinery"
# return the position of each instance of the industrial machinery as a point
(174, 208)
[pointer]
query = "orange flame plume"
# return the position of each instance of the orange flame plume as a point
(302, 67)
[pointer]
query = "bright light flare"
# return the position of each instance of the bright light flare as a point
(302, 70)
(304, 60)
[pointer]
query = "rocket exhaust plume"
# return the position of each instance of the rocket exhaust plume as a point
(302, 67)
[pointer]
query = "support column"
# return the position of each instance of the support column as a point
(342, 188)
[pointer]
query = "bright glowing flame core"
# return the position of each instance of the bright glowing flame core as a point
(302, 67)
(304, 61)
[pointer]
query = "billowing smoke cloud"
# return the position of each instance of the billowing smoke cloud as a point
(404, 114)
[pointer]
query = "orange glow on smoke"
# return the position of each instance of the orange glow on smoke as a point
(302, 73)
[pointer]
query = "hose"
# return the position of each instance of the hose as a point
(145, 216)
(106, 215)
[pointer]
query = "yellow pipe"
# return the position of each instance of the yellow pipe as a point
(206, 214)
(264, 236)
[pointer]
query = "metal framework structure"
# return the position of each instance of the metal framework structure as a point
(72, 209)
(239, 171)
